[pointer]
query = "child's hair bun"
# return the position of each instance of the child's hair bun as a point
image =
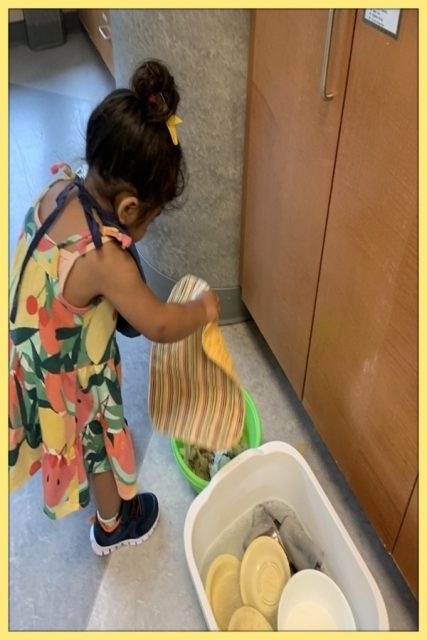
(155, 87)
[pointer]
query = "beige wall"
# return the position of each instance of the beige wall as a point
(15, 15)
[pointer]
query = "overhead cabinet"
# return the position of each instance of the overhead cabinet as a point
(330, 237)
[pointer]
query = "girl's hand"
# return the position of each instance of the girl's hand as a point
(211, 303)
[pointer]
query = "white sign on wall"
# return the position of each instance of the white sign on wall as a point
(384, 19)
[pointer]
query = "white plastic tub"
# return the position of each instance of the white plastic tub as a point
(277, 471)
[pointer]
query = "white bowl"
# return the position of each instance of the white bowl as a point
(311, 601)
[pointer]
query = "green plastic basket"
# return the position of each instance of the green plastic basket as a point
(252, 432)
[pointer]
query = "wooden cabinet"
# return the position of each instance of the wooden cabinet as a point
(97, 24)
(361, 387)
(330, 238)
(291, 147)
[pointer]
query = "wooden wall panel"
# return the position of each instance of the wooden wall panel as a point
(362, 378)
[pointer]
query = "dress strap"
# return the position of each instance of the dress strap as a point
(41, 231)
(110, 227)
(67, 259)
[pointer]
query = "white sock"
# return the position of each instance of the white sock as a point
(109, 524)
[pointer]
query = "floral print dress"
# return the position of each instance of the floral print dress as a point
(65, 404)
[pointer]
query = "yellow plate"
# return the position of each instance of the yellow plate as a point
(223, 588)
(248, 619)
(263, 574)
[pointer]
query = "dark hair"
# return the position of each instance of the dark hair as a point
(128, 142)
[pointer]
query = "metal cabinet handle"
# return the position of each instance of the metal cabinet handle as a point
(105, 31)
(325, 62)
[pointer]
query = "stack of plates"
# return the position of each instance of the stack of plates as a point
(244, 595)
(223, 588)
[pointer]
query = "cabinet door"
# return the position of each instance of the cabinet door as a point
(97, 24)
(362, 380)
(290, 154)
(405, 551)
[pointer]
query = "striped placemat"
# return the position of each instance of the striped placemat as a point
(194, 393)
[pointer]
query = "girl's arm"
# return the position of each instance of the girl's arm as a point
(114, 275)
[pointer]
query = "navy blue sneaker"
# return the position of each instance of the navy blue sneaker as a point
(138, 519)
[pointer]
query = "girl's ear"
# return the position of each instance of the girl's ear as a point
(127, 208)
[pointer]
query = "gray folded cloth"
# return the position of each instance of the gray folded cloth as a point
(262, 525)
(302, 551)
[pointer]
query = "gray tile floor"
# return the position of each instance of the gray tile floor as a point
(56, 582)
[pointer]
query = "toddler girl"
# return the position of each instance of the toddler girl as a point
(76, 276)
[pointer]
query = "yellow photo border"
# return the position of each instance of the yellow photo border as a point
(4, 587)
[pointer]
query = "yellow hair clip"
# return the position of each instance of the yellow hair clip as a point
(171, 123)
